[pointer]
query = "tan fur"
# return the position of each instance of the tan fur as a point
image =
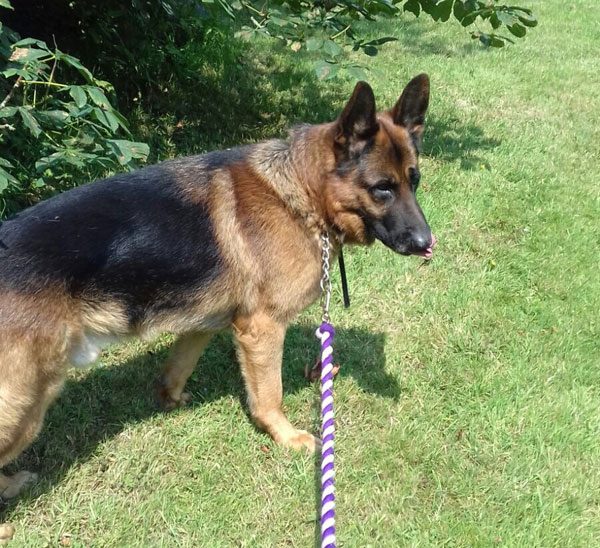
(260, 348)
(33, 349)
(180, 364)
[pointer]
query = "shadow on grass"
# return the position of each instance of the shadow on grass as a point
(250, 93)
(242, 93)
(105, 401)
(449, 140)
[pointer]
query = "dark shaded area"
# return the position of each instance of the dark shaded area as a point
(137, 46)
(107, 400)
(448, 140)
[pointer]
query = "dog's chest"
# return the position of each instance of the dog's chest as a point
(293, 283)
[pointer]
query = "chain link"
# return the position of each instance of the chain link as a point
(325, 279)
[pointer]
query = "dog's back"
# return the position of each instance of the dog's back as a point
(136, 238)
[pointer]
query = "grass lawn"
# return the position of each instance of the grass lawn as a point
(468, 402)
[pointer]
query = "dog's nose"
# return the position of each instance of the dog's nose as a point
(421, 242)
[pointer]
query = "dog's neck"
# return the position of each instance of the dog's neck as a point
(303, 159)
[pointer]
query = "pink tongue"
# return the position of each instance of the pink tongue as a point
(428, 253)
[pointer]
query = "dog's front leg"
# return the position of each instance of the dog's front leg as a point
(260, 350)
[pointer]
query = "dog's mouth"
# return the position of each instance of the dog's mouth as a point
(425, 253)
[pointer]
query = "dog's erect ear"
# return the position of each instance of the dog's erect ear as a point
(412, 105)
(357, 122)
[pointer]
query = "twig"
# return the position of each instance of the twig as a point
(339, 33)
(42, 82)
(10, 93)
(50, 82)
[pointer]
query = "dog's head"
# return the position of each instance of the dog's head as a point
(372, 191)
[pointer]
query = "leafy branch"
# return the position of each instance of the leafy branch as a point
(329, 27)
(58, 125)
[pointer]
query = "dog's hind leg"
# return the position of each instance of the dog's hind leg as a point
(11, 486)
(179, 366)
(260, 351)
(32, 372)
(22, 410)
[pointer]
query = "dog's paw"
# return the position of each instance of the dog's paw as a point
(15, 484)
(301, 439)
(166, 399)
(168, 403)
(7, 532)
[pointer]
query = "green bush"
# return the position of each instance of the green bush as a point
(58, 126)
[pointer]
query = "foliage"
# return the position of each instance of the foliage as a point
(57, 123)
(140, 46)
(326, 26)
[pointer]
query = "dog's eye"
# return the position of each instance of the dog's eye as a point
(414, 177)
(383, 190)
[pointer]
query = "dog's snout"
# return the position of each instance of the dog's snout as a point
(421, 241)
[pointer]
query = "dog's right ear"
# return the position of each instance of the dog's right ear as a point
(357, 123)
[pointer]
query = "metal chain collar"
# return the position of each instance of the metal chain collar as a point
(325, 279)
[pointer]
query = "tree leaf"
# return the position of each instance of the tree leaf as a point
(3, 180)
(18, 72)
(278, 21)
(112, 120)
(47, 161)
(314, 44)
(58, 117)
(121, 121)
(30, 122)
(78, 95)
(413, 6)
(24, 55)
(125, 151)
(381, 41)
(357, 73)
(326, 70)
(468, 19)
(506, 18)
(331, 48)
(371, 51)
(445, 9)
(494, 21)
(517, 30)
(6, 4)
(8, 112)
(75, 63)
(100, 115)
(528, 19)
(98, 97)
(29, 42)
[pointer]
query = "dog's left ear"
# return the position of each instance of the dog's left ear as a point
(410, 109)
(357, 123)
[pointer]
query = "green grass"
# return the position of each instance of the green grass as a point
(468, 403)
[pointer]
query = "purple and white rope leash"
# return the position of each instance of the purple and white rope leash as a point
(325, 334)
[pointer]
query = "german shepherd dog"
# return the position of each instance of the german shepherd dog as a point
(195, 245)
